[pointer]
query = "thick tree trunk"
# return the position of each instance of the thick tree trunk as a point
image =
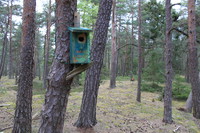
(113, 65)
(139, 52)
(87, 115)
(56, 98)
(23, 111)
(167, 118)
(193, 59)
(47, 45)
(10, 42)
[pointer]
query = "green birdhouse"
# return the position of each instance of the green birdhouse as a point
(79, 45)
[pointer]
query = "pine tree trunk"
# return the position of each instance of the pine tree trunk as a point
(10, 42)
(132, 47)
(23, 111)
(4, 49)
(87, 115)
(56, 98)
(139, 52)
(168, 66)
(187, 73)
(113, 66)
(193, 59)
(47, 45)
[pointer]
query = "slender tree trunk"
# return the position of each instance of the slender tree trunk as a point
(58, 88)
(47, 44)
(10, 42)
(132, 47)
(87, 115)
(193, 59)
(167, 118)
(139, 53)
(4, 50)
(113, 65)
(187, 68)
(23, 111)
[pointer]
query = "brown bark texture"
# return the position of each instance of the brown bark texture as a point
(87, 115)
(167, 118)
(113, 65)
(193, 59)
(23, 111)
(58, 88)
(139, 52)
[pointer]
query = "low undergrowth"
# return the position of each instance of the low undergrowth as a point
(117, 110)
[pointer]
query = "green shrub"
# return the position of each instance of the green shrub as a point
(151, 87)
(181, 89)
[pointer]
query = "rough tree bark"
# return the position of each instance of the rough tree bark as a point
(113, 65)
(56, 98)
(167, 118)
(139, 52)
(23, 111)
(193, 59)
(87, 115)
(47, 45)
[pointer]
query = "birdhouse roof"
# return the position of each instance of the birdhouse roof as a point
(79, 29)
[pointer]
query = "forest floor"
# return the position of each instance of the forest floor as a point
(117, 110)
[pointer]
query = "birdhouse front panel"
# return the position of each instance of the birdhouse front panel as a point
(79, 46)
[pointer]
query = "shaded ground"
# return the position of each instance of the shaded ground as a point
(117, 112)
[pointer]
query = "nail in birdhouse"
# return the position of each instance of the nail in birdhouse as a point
(79, 45)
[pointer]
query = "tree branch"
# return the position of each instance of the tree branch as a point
(182, 32)
(175, 4)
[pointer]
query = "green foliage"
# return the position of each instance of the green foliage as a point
(88, 11)
(181, 89)
(151, 87)
(38, 87)
(104, 73)
(123, 78)
(154, 20)
(154, 71)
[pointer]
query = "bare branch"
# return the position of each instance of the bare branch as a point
(182, 32)
(175, 4)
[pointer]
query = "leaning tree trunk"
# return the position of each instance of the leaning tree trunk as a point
(87, 115)
(23, 111)
(139, 52)
(58, 88)
(113, 65)
(168, 65)
(193, 59)
(188, 105)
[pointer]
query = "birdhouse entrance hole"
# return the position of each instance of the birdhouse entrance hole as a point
(82, 38)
